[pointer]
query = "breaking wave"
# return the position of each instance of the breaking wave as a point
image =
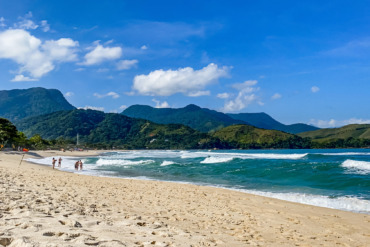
(214, 159)
(115, 162)
(167, 163)
(342, 203)
(359, 167)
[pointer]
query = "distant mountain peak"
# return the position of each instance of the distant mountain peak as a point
(192, 107)
(17, 104)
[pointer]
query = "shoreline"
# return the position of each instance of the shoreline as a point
(342, 203)
(156, 213)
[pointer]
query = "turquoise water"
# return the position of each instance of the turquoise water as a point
(330, 178)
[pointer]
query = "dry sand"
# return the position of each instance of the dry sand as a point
(40, 206)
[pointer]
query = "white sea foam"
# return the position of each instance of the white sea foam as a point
(201, 154)
(342, 203)
(355, 166)
(187, 155)
(167, 163)
(215, 159)
(145, 154)
(345, 154)
(120, 162)
(66, 161)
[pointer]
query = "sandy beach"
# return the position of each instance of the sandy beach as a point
(40, 206)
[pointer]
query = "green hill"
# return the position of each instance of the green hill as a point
(206, 120)
(95, 127)
(264, 121)
(359, 131)
(20, 103)
(201, 119)
(246, 136)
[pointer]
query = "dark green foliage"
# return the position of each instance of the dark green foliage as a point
(20, 103)
(7, 131)
(264, 121)
(110, 130)
(206, 120)
(201, 119)
(349, 136)
(361, 131)
(249, 137)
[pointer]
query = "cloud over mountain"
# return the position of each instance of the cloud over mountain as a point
(183, 80)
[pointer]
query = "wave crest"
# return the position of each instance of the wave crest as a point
(115, 162)
(214, 159)
(167, 163)
(341, 203)
(359, 167)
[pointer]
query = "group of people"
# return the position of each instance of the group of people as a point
(78, 164)
(59, 162)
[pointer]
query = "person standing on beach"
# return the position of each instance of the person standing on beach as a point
(76, 165)
(53, 162)
(60, 162)
(80, 165)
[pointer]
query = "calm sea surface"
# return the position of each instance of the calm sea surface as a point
(329, 178)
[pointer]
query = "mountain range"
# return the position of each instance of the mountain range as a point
(96, 127)
(21, 103)
(264, 121)
(48, 113)
(206, 120)
(112, 129)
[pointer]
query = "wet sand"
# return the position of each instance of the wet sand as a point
(40, 206)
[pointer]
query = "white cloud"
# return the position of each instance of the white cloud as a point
(223, 95)
(247, 85)
(92, 108)
(79, 69)
(199, 93)
(126, 64)
(23, 78)
(62, 50)
(114, 95)
(123, 107)
(276, 96)
(353, 48)
(26, 23)
(101, 54)
(32, 55)
(2, 22)
(69, 94)
(158, 104)
(184, 80)
(102, 70)
(315, 89)
(332, 123)
(144, 47)
(45, 26)
(244, 98)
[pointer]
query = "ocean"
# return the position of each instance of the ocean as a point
(333, 178)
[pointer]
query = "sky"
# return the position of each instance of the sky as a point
(298, 61)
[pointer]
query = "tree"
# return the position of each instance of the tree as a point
(20, 139)
(37, 142)
(7, 131)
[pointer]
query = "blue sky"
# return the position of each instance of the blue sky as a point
(298, 61)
